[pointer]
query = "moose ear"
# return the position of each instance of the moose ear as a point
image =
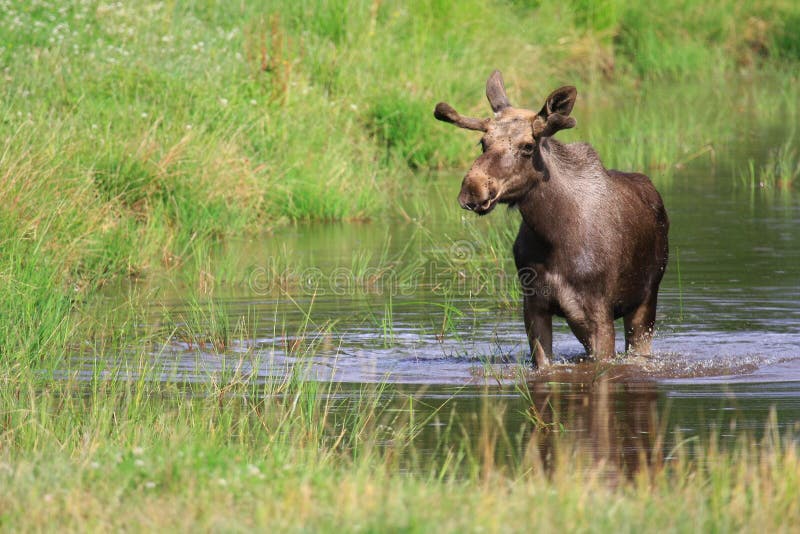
(554, 115)
(496, 92)
(560, 101)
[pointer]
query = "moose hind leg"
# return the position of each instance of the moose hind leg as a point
(639, 325)
(539, 327)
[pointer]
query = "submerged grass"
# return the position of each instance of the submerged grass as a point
(780, 172)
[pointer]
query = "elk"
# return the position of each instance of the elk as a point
(592, 246)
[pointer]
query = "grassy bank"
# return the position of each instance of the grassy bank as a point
(177, 123)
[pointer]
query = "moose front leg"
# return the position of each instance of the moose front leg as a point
(539, 327)
(602, 340)
(595, 331)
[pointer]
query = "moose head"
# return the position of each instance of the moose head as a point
(510, 164)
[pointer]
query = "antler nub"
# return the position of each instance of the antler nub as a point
(445, 112)
(555, 123)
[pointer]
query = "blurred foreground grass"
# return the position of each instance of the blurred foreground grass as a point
(120, 454)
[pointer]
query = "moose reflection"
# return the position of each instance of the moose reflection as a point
(608, 412)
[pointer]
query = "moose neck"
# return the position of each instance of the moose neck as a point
(569, 173)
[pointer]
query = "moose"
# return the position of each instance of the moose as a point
(592, 246)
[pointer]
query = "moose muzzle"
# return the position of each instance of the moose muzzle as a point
(477, 195)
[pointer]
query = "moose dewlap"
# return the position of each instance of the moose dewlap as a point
(592, 246)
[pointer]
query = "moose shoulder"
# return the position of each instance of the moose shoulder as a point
(592, 246)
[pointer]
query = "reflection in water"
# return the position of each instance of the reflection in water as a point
(603, 418)
(601, 410)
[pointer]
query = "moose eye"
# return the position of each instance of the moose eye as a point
(527, 148)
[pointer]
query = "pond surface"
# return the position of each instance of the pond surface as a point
(427, 303)
(728, 306)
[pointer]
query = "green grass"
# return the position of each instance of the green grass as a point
(135, 138)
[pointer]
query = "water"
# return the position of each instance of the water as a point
(731, 315)
(402, 303)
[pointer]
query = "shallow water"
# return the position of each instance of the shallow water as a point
(728, 306)
(401, 303)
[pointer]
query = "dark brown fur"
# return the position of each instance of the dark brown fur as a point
(592, 246)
